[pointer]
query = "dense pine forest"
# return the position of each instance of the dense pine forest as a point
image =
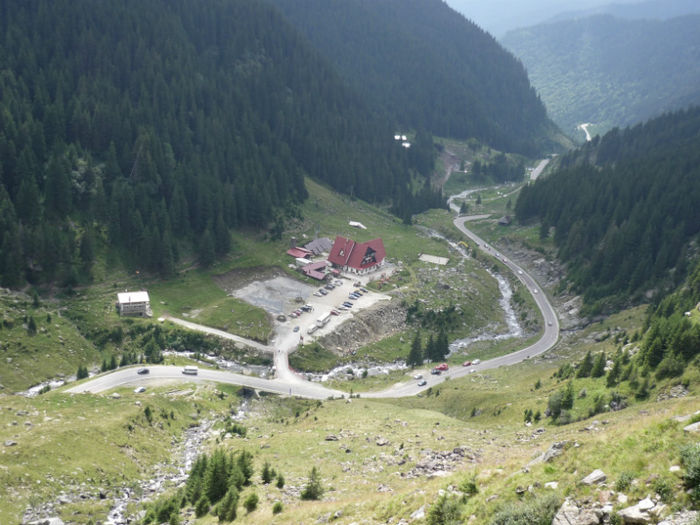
(427, 67)
(155, 126)
(624, 210)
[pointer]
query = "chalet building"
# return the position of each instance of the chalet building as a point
(134, 303)
(357, 257)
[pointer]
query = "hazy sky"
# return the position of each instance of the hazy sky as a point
(499, 16)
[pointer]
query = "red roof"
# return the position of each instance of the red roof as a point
(299, 253)
(358, 255)
(314, 270)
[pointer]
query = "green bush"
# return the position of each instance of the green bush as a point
(664, 488)
(690, 458)
(277, 507)
(445, 511)
(251, 502)
(202, 506)
(624, 481)
(538, 511)
(313, 489)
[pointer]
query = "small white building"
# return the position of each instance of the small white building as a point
(134, 303)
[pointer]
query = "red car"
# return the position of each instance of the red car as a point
(467, 363)
(442, 367)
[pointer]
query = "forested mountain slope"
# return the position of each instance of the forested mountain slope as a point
(426, 67)
(154, 123)
(624, 209)
(649, 9)
(611, 72)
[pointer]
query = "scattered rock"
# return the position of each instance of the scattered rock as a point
(418, 514)
(381, 442)
(646, 511)
(571, 514)
(551, 485)
(674, 468)
(692, 429)
(116, 396)
(46, 521)
(331, 437)
(556, 449)
(384, 488)
(686, 517)
(10, 443)
(595, 477)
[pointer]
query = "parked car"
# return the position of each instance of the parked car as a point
(435, 372)
(422, 383)
(143, 371)
(329, 286)
(467, 363)
(442, 367)
(296, 329)
(323, 292)
(363, 290)
(334, 312)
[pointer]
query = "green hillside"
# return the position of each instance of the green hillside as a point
(426, 67)
(608, 71)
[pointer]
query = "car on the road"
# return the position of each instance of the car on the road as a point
(435, 372)
(476, 361)
(520, 272)
(442, 367)
(418, 376)
(422, 383)
(142, 371)
(534, 291)
(296, 329)
(549, 323)
(467, 363)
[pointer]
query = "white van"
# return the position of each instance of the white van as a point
(190, 370)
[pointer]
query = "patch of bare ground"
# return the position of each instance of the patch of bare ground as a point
(367, 326)
(240, 277)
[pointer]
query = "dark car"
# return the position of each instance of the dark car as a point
(143, 371)
(435, 372)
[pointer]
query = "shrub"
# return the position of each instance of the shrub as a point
(277, 507)
(202, 506)
(280, 481)
(226, 509)
(313, 489)
(251, 502)
(624, 481)
(690, 458)
(445, 511)
(664, 488)
(538, 511)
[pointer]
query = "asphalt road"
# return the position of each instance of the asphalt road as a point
(289, 383)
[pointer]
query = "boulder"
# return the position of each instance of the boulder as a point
(640, 513)
(10, 443)
(686, 517)
(556, 449)
(571, 514)
(595, 477)
(418, 514)
(692, 429)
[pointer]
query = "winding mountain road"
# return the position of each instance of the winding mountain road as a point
(287, 382)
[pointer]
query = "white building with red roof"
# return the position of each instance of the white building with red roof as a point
(357, 257)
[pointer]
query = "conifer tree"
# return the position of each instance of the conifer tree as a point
(415, 354)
